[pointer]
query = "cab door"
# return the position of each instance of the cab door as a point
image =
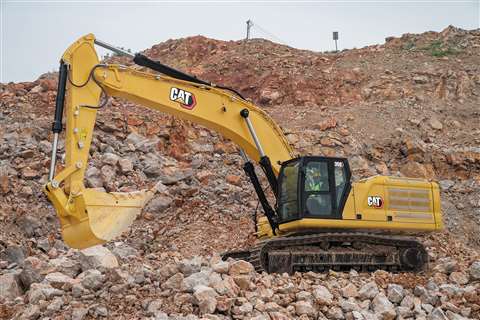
(325, 187)
(288, 200)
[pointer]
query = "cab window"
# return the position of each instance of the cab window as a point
(316, 176)
(318, 200)
(288, 202)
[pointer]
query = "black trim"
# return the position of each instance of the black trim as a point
(280, 181)
(267, 209)
(144, 61)
(59, 101)
(348, 186)
(272, 179)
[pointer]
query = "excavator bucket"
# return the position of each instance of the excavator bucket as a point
(95, 217)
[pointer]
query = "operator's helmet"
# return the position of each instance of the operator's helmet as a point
(316, 172)
(316, 177)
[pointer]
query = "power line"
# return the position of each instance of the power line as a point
(268, 33)
(259, 28)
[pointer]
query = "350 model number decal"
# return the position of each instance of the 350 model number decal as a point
(186, 99)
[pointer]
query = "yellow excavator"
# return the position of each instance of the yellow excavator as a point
(320, 219)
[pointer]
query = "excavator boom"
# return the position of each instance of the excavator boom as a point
(90, 216)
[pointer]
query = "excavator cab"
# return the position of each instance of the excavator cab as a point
(313, 187)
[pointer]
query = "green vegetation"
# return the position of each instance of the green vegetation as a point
(438, 49)
(410, 46)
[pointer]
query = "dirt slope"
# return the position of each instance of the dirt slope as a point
(407, 107)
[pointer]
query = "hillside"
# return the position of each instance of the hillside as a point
(408, 107)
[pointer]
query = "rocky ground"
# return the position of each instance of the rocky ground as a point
(407, 107)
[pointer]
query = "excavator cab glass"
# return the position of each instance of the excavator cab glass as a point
(313, 187)
(318, 199)
(288, 197)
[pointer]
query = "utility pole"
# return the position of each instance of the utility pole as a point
(335, 38)
(249, 25)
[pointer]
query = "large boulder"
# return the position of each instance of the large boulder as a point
(31, 312)
(475, 270)
(206, 299)
(221, 267)
(189, 266)
(395, 293)
(240, 267)
(243, 281)
(110, 159)
(174, 282)
(33, 271)
(79, 313)
(304, 308)
(383, 308)
(446, 265)
(123, 251)
(322, 295)
(413, 169)
(437, 314)
(91, 279)
(159, 204)
(9, 287)
(60, 281)
(368, 291)
(350, 291)
(196, 279)
(67, 266)
(458, 277)
(349, 305)
(227, 287)
(93, 176)
(125, 165)
(42, 291)
(15, 253)
(97, 257)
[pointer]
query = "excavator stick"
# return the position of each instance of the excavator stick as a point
(88, 216)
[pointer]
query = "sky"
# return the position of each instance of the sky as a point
(34, 33)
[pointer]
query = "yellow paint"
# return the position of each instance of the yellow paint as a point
(90, 216)
(375, 218)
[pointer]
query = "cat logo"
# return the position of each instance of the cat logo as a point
(375, 202)
(185, 98)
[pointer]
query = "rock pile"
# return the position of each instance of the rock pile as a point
(409, 107)
(92, 283)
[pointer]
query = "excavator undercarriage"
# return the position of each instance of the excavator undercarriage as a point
(339, 251)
